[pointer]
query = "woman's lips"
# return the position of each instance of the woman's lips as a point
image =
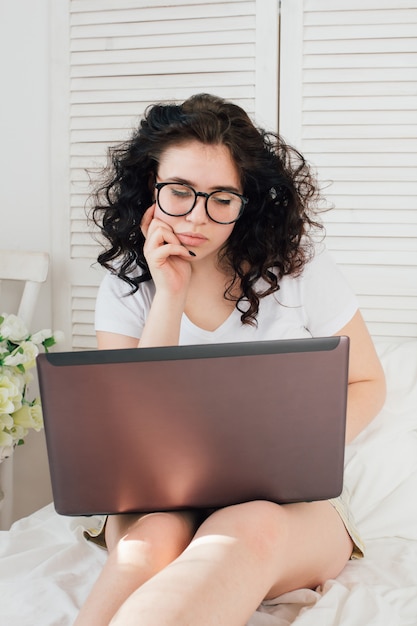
(191, 239)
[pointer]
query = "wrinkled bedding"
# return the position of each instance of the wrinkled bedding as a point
(47, 567)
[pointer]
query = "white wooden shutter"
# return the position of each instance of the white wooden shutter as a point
(348, 100)
(124, 56)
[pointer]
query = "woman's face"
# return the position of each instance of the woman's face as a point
(205, 168)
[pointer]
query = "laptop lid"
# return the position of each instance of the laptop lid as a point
(152, 429)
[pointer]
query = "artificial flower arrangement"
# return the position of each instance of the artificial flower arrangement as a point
(18, 351)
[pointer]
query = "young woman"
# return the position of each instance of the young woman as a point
(210, 228)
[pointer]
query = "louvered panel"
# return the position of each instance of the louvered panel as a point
(96, 122)
(125, 56)
(384, 217)
(390, 331)
(369, 173)
(83, 61)
(359, 75)
(338, 118)
(390, 145)
(383, 280)
(395, 315)
(349, 102)
(332, 32)
(349, 61)
(365, 88)
(86, 251)
(362, 103)
(132, 13)
(365, 131)
(355, 5)
(371, 202)
(372, 229)
(376, 159)
(82, 305)
(148, 94)
(363, 46)
(397, 258)
(164, 27)
(316, 16)
(386, 244)
(390, 188)
(379, 304)
(238, 63)
(148, 42)
(81, 6)
(78, 201)
(104, 88)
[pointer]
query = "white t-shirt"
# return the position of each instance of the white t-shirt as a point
(317, 303)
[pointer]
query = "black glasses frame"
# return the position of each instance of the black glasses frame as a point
(207, 196)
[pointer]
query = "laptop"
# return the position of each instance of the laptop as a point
(154, 429)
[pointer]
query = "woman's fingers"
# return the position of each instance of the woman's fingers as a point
(167, 258)
(156, 228)
(160, 240)
(159, 233)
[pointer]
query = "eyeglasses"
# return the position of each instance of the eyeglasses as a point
(179, 199)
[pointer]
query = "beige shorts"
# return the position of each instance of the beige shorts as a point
(341, 504)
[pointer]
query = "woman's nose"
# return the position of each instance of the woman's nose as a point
(198, 214)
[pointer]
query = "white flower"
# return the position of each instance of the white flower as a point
(18, 352)
(47, 338)
(6, 438)
(11, 388)
(6, 421)
(29, 416)
(41, 335)
(25, 354)
(13, 328)
(18, 432)
(59, 336)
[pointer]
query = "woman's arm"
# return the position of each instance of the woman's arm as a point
(366, 392)
(162, 328)
(114, 341)
(169, 263)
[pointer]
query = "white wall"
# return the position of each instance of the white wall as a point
(24, 124)
(24, 182)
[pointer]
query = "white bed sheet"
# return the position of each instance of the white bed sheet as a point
(47, 567)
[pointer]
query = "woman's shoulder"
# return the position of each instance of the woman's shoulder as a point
(114, 282)
(113, 287)
(318, 259)
(118, 310)
(322, 266)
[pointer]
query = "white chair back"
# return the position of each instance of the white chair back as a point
(30, 268)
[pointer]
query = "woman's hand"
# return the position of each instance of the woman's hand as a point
(170, 268)
(167, 258)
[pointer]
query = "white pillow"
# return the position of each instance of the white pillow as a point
(381, 463)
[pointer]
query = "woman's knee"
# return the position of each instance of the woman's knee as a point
(164, 534)
(259, 524)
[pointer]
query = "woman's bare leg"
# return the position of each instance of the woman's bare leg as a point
(138, 548)
(239, 556)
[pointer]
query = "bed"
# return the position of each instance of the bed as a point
(47, 567)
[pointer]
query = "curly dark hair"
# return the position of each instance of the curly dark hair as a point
(271, 239)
